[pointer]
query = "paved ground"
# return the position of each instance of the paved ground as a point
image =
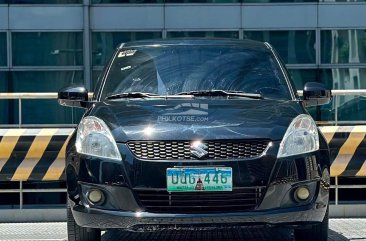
(340, 229)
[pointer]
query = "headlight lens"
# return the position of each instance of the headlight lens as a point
(94, 138)
(301, 137)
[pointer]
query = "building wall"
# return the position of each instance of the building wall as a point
(45, 45)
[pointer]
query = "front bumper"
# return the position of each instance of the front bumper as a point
(123, 207)
(105, 219)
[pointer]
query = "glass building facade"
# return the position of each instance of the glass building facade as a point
(46, 45)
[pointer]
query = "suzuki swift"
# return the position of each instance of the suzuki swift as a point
(196, 133)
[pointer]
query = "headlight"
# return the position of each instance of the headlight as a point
(94, 138)
(301, 137)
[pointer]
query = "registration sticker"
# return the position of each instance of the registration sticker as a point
(129, 52)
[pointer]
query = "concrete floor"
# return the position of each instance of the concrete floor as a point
(340, 229)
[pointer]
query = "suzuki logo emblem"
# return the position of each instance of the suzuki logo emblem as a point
(198, 149)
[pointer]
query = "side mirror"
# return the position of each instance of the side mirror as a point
(73, 96)
(316, 94)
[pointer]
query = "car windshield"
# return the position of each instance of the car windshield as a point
(173, 69)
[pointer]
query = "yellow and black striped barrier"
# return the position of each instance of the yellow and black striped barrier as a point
(347, 146)
(33, 154)
(39, 154)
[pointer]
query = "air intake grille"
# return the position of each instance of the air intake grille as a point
(172, 150)
(238, 200)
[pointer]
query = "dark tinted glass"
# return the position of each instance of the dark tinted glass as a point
(276, 1)
(3, 55)
(126, 1)
(203, 34)
(343, 46)
(350, 108)
(104, 43)
(344, 78)
(44, 1)
(33, 111)
(342, 1)
(202, 1)
(43, 81)
(47, 49)
(4, 104)
(198, 1)
(294, 47)
(175, 69)
(301, 76)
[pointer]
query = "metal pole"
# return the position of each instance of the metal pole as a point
(20, 194)
(20, 111)
(336, 109)
(336, 190)
(87, 47)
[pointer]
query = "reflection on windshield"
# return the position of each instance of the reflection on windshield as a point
(168, 70)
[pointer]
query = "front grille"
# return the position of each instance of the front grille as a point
(238, 200)
(180, 150)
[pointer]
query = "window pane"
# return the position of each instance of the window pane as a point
(294, 47)
(344, 78)
(104, 43)
(204, 34)
(47, 49)
(277, 1)
(43, 81)
(302, 76)
(33, 111)
(202, 1)
(3, 55)
(347, 1)
(183, 68)
(343, 46)
(350, 107)
(126, 1)
(4, 104)
(44, 1)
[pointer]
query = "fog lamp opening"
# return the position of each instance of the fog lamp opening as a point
(95, 196)
(302, 193)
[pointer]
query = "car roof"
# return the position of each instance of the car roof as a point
(250, 44)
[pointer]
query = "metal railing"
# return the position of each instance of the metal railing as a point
(22, 190)
(336, 188)
(52, 95)
(31, 96)
(336, 94)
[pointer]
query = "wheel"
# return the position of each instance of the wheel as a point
(77, 233)
(316, 232)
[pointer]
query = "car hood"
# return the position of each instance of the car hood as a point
(208, 119)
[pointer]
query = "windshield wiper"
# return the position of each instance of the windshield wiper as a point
(222, 93)
(132, 95)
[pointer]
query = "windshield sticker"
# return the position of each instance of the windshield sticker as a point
(126, 68)
(129, 52)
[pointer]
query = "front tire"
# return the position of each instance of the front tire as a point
(78, 233)
(316, 232)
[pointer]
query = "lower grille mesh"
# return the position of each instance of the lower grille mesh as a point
(240, 199)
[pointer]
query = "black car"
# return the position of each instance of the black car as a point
(196, 132)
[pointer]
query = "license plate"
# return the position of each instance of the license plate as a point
(193, 179)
